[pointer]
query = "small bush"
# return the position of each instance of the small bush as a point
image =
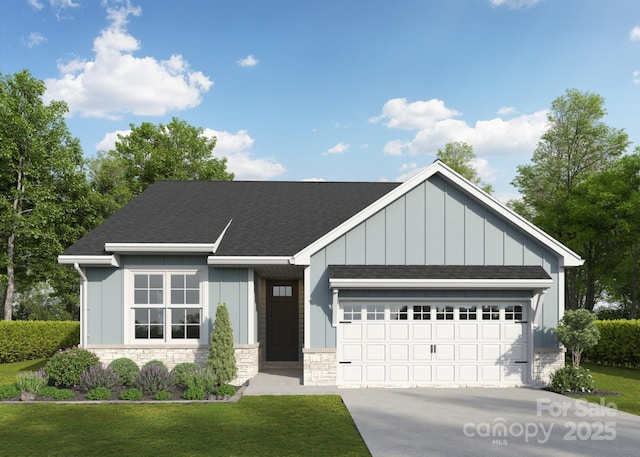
(162, 395)
(183, 373)
(132, 394)
(31, 381)
(204, 379)
(572, 379)
(126, 370)
(28, 340)
(99, 376)
(157, 363)
(194, 393)
(221, 358)
(9, 392)
(55, 393)
(152, 379)
(224, 390)
(65, 366)
(99, 393)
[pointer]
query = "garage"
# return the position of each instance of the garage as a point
(433, 343)
(435, 325)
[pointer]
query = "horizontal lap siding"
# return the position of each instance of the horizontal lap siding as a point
(433, 224)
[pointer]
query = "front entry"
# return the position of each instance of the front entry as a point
(282, 321)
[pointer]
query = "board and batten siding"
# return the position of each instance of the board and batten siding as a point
(433, 224)
(230, 286)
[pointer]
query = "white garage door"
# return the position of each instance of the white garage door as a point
(433, 344)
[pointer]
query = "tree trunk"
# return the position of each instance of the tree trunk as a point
(11, 278)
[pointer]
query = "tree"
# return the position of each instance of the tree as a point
(577, 331)
(221, 359)
(39, 303)
(576, 146)
(150, 153)
(460, 156)
(44, 188)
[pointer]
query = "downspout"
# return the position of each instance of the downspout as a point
(83, 305)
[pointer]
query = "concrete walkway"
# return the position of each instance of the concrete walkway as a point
(284, 381)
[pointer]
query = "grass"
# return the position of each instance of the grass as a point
(625, 381)
(255, 426)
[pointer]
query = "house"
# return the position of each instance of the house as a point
(427, 282)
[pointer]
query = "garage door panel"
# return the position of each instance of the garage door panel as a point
(399, 373)
(445, 352)
(468, 352)
(351, 332)
(513, 331)
(375, 331)
(351, 373)
(490, 352)
(468, 373)
(490, 331)
(421, 373)
(421, 352)
(445, 331)
(375, 352)
(514, 352)
(399, 352)
(376, 373)
(490, 373)
(399, 331)
(422, 331)
(468, 331)
(445, 373)
(514, 372)
(352, 352)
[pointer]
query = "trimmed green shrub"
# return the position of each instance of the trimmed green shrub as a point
(55, 393)
(31, 381)
(572, 379)
(28, 340)
(99, 376)
(194, 393)
(65, 366)
(153, 378)
(222, 359)
(99, 393)
(203, 378)
(619, 344)
(126, 369)
(132, 394)
(9, 392)
(224, 390)
(162, 395)
(577, 331)
(183, 373)
(157, 363)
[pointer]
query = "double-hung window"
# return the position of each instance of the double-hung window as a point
(166, 306)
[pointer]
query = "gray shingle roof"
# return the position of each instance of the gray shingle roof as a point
(436, 272)
(270, 218)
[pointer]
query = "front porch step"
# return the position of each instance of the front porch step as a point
(283, 364)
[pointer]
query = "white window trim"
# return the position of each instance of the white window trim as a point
(129, 332)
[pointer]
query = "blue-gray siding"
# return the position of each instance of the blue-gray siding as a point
(436, 223)
(230, 286)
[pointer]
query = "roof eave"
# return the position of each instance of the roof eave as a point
(90, 260)
(449, 284)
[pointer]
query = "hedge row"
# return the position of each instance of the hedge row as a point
(619, 344)
(27, 340)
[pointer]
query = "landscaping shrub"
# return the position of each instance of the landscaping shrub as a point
(55, 393)
(203, 378)
(28, 340)
(65, 366)
(194, 393)
(619, 344)
(162, 395)
(99, 376)
(183, 373)
(221, 358)
(224, 390)
(572, 379)
(126, 369)
(153, 378)
(9, 392)
(157, 363)
(132, 394)
(31, 381)
(99, 393)
(577, 331)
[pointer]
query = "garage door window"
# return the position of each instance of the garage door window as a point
(468, 313)
(375, 312)
(444, 313)
(490, 312)
(398, 313)
(352, 312)
(513, 313)
(422, 313)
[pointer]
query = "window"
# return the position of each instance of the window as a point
(467, 313)
(444, 313)
(421, 312)
(513, 313)
(166, 306)
(398, 313)
(282, 291)
(352, 312)
(490, 313)
(375, 312)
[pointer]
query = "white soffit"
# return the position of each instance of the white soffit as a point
(92, 260)
(249, 260)
(160, 248)
(369, 283)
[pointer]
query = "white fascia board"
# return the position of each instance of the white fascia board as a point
(90, 260)
(160, 248)
(369, 283)
(568, 258)
(249, 260)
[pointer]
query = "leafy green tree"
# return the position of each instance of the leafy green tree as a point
(460, 156)
(576, 146)
(221, 359)
(150, 153)
(40, 303)
(43, 203)
(577, 331)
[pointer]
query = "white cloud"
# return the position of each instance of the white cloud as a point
(485, 171)
(339, 148)
(313, 180)
(634, 34)
(34, 39)
(108, 142)
(636, 77)
(236, 148)
(416, 115)
(407, 171)
(117, 82)
(506, 110)
(36, 4)
(514, 4)
(249, 61)
(394, 148)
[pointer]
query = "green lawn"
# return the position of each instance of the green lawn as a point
(625, 381)
(9, 371)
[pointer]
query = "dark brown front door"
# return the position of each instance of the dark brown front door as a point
(282, 320)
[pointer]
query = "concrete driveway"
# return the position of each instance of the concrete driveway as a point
(489, 422)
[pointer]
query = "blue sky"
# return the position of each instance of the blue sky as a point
(332, 90)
